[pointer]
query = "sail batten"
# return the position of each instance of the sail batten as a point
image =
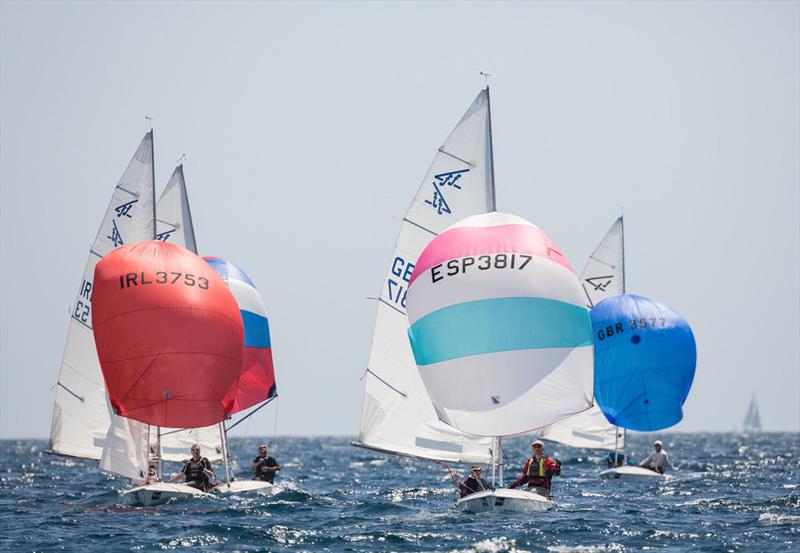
(458, 184)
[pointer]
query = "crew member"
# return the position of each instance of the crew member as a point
(538, 471)
(265, 466)
(473, 483)
(657, 461)
(197, 471)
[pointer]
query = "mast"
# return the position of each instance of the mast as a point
(491, 144)
(223, 436)
(622, 224)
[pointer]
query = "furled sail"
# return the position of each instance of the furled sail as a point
(603, 276)
(499, 329)
(81, 415)
(397, 415)
(645, 357)
(604, 273)
(168, 334)
(257, 378)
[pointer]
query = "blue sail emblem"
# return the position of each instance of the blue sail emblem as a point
(440, 182)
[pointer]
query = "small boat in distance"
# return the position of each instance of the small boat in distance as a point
(752, 420)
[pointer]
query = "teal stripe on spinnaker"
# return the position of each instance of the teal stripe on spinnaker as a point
(501, 324)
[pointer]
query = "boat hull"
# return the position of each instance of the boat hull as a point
(249, 487)
(503, 499)
(631, 473)
(159, 493)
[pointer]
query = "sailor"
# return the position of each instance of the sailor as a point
(265, 466)
(197, 471)
(657, 461)
(474, 483)
(613, 459)
(538, 471)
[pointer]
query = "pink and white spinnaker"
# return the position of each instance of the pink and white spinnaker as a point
(499, 328)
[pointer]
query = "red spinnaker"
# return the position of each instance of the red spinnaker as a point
(168, 334)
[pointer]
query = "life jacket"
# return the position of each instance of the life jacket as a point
(194, 471)
(537, 474)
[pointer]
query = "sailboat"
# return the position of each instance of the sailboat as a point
(752, 420)
(602, 277)
(397, 415)
(501, 336)
(645, 357)
(175, 225)
(121, 455)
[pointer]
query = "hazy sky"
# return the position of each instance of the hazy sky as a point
(309, 126)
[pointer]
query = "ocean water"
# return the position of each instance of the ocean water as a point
(730, 493)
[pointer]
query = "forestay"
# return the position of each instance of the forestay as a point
(499, 330)
(397, 415)
(604, 273)
(81, 415)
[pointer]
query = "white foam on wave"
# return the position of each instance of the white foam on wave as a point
(585, 548)
(492, 545)
(772, 518)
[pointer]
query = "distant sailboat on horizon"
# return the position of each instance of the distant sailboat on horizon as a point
(752, 420)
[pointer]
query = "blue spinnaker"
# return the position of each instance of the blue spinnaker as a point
(645, 359)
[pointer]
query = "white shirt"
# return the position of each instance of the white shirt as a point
(656, 460)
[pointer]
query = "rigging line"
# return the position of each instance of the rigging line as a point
(420, 226)
(91, 251)
(275, 429)
(70, 391)
(464, 161)
(386, 383)
(251, 413)
(390, 305)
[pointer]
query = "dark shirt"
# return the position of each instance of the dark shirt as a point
(265, 475)
(472, 485)
(193, 470)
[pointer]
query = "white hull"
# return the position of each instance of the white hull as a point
(249, 486)
(520, 501)
(631, 473)
(160, 492)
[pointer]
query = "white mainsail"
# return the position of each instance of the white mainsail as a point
(397, 415)
(752, 421)
(602, 277)
(81, 415)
